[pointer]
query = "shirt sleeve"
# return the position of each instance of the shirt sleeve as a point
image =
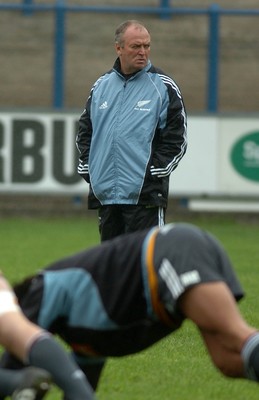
(171, 135)
(83, 142)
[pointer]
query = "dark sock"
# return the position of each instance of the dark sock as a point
(46, 353)
(250, 356)
(9, 380)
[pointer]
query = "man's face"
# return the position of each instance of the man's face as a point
(135, 49)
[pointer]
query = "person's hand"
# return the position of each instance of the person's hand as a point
(86, 178)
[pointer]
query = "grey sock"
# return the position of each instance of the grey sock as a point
(46, 353)
(9, 380)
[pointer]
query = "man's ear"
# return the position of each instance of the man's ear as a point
(118, 49)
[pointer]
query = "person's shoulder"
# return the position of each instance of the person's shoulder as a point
(165, 78)
(158, 71)
(101, 78)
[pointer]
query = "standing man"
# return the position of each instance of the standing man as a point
(132, 135)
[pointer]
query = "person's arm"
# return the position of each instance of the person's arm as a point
(224, 330)
(171, 137)
(83, 142)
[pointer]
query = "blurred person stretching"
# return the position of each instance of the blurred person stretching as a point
(132, 135)
(128, 293)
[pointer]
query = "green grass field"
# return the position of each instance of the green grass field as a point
(177, 367)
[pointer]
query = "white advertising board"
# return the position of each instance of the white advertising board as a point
(38, 155)
(197, 172)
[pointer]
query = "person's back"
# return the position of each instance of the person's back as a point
(121, 288)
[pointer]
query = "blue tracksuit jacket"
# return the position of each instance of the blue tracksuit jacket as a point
(132, 135)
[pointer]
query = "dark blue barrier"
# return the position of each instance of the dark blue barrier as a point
(164, 11)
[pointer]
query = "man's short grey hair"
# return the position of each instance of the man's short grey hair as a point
(121, 29)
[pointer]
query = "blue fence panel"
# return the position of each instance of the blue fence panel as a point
(59, 74)
(27, 10)
(213, 60)
(164, 10)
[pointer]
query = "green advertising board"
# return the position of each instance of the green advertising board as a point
(245, 156)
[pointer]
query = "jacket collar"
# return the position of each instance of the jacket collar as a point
(117, 69)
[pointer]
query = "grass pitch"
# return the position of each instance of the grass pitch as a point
(175, 368)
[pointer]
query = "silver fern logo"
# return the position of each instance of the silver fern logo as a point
(140, 106)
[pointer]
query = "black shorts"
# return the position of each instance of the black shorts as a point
(185, 256)
(29, 294)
